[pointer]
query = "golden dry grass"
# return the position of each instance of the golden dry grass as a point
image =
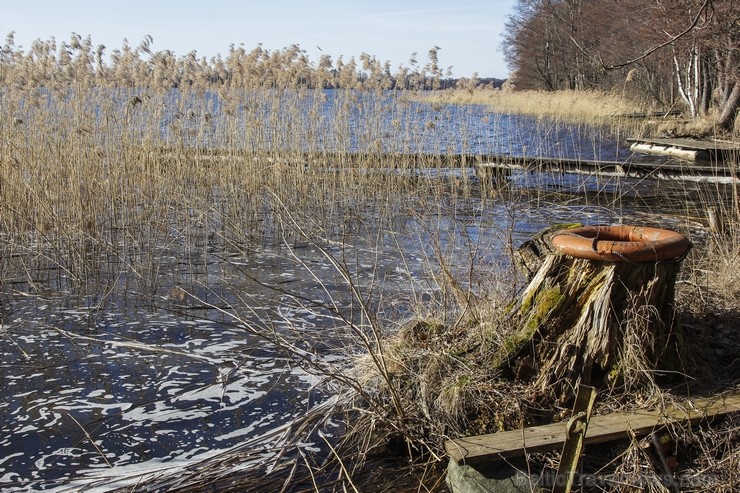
(88, 180)
(582, 106)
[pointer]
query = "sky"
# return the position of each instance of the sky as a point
(468, 32)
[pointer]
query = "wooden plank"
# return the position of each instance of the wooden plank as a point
(671, 151)
(666, 171)
(698, 145)
(605, 428)
(681, 169)
(556, 164)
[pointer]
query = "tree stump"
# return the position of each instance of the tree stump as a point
(595, 321)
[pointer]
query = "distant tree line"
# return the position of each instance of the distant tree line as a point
(665, 51)
(78, 63)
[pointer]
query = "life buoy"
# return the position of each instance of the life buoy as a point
(621, 243)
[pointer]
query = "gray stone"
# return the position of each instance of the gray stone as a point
(492, 478)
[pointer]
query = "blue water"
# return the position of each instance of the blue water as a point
(331, 121)
(127, 375)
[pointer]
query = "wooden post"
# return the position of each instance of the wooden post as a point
(575, 435)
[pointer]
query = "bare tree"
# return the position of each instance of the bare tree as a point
(693, 45)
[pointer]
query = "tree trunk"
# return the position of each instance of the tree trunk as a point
(596, 323)
(707, 86)
(730, 108)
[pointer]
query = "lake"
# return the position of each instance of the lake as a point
(163, 359)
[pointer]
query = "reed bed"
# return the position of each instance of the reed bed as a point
(581, 106)
(108, 172)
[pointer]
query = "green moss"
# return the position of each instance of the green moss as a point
(535, 311)
(546, 302)
(513, 343)
(526, 304)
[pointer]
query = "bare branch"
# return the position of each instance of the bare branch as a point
(655, 48)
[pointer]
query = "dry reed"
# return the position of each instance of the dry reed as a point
(107, 170)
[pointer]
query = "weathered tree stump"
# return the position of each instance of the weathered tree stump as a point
(594, 321)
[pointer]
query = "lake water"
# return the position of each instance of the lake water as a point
(123, 378)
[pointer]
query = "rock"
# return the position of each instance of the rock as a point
(493, 478)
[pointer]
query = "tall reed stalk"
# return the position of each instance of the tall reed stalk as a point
(111, 172)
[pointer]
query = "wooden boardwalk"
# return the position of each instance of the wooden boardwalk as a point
(487, 166)
(692, 149)
(674, 170)
(510, 444)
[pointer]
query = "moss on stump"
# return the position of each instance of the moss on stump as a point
(594, 322)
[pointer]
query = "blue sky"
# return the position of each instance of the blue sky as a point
(468, 33)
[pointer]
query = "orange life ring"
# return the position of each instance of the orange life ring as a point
(621, 243)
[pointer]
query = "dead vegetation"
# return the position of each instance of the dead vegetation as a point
(450, 379)
(107, 173)
(595, 108)
(439, 376)
(580, 106)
